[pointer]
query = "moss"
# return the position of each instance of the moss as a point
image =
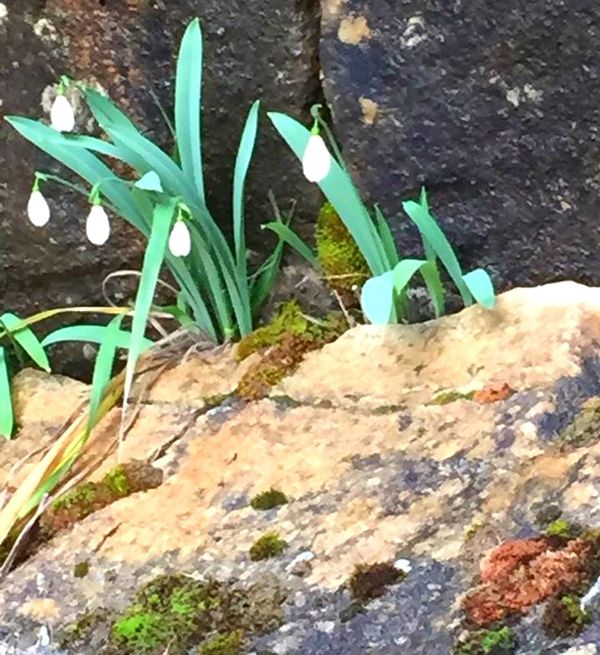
(81, 569)
(563, 617)
(90, 497)
(288, 319)
(584, 429)
(498, 641)
(267, 546)
(341, 261)
(450, 396)
(223, 644)
(563, 529)
(370, 581)
(268, 500)
(176, 613)
(79, 634)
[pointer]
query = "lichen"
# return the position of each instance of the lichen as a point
(340, 259)
(584, 430)
(564, 617)
(370, 581)
(223, 644)
(267, 546)
(268, 500)
(498, 641)
(450, 396)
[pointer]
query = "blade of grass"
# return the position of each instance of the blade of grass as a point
(242, 164)
(188, 89)
(287, 235)
(90, 334)
(481, 286)
(153, 260)
(25, 337)
(7, 417)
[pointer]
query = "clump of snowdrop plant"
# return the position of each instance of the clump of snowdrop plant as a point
(384, 296)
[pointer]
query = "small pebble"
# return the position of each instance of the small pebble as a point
(403, 565)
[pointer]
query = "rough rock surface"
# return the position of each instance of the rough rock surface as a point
(385, 455)
(492, 106)
(252, 50)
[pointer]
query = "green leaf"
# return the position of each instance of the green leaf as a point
(103, 367)
(188, 89)
(286, 234)
(149, 182)
(482, 288)
(242, 164)
(387, 238)
(90, 334)
(153, 259)
(377, 299)
(339, 189)
(431, 275)
(25, 337)
(404, 272)
(265, 278)
(431, 231)
(7, 418)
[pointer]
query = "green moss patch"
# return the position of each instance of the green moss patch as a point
(268, 500)
(177, 614)
(498, 641)
(341, 261)
(267, 546)
(564, 617)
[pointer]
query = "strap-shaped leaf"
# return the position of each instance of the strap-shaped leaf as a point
(90, 334)
(188, 90)
(432, 232)
(242, 164)
(149, 182)
(377, 299)
(285, 233)
(25, 337)
(387, 238)
(153, 259)
(7, 418)
(404, 272)
(431, 275)
(481, 286)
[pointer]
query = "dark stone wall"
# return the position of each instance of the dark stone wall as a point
(495, 106)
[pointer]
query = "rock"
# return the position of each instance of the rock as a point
(260, 50)
(455, 507)
(469, 100)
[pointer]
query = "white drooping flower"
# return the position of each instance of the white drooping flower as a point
(180, 241)
(316, 162)
(62, 116)
(38, 210)
(97, 226)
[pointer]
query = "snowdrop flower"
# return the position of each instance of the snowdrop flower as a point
(180, 242)
(97, 227)
(62, 116)
(316, 162)
(38, 210)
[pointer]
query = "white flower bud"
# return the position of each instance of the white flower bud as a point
(97, 227)
(316, 162)
(62, 116)
(180, 242)
(38, 210)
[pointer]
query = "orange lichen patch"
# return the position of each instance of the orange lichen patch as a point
(507, 557)
(370, 110)
(493, 394)
(524, 576)
(354, 29)
(43, 610)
